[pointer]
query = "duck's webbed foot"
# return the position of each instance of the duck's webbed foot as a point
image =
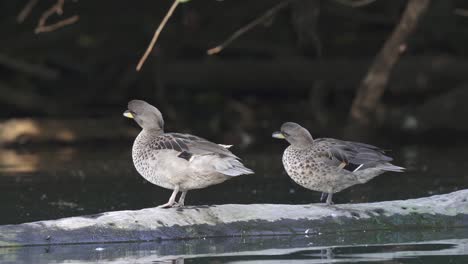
(171, 203)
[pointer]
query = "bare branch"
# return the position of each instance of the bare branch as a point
(59, 24)
(57, 9)
(26, 11)
(269, 13)
(156, 35)
(355, 3)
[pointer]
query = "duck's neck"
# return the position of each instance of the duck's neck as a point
(147, 134)
(302, 142)
(303, 145)
(152, 132)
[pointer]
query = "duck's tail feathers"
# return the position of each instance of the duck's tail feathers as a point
(232, 167)
(391, 167)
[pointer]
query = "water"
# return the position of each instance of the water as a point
(429, 246)
(53, 182)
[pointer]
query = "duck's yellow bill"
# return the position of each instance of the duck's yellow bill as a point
(128, 114)
(278, 135)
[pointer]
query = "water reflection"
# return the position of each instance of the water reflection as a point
(17, 161)
(13, 161)
(427, 246)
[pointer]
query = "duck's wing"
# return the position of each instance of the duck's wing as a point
(205, 153)
(353, 156)
(194, 145)
(201, 153)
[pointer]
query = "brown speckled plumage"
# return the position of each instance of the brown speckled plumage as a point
(330, 165)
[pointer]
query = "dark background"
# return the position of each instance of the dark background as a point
(66, 146)
(304, 64)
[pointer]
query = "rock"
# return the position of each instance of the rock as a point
(155, 224)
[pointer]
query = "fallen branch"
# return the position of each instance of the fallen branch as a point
(269, 13)
(156, 34)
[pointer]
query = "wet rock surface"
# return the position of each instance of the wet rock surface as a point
(154, 224)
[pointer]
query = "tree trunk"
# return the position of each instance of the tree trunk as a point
(373, 86)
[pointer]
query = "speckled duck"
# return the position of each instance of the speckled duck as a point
(330, 165)
(180, 162)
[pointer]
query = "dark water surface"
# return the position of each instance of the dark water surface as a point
(428, 246)
(47, 183)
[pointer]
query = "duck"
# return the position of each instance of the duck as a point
(177, 161)
(330, 165)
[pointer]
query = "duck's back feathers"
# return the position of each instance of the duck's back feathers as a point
(356, 156)
(200, 146)
(201, 153)
(189, 145)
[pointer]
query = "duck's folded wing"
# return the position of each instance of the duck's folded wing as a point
(198, 146)
(353, 156)
(209, 155)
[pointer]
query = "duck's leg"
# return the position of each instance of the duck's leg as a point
(329, 199)
(171, 201)
(181, 201)
(323, 197)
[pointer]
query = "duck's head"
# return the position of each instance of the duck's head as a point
(147, 116)
(295, 134)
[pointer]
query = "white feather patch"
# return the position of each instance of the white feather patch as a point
(358, 168)
(225, 146)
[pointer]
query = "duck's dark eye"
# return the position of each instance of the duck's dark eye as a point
(285, 134)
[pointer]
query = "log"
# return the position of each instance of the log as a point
(155, 224)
